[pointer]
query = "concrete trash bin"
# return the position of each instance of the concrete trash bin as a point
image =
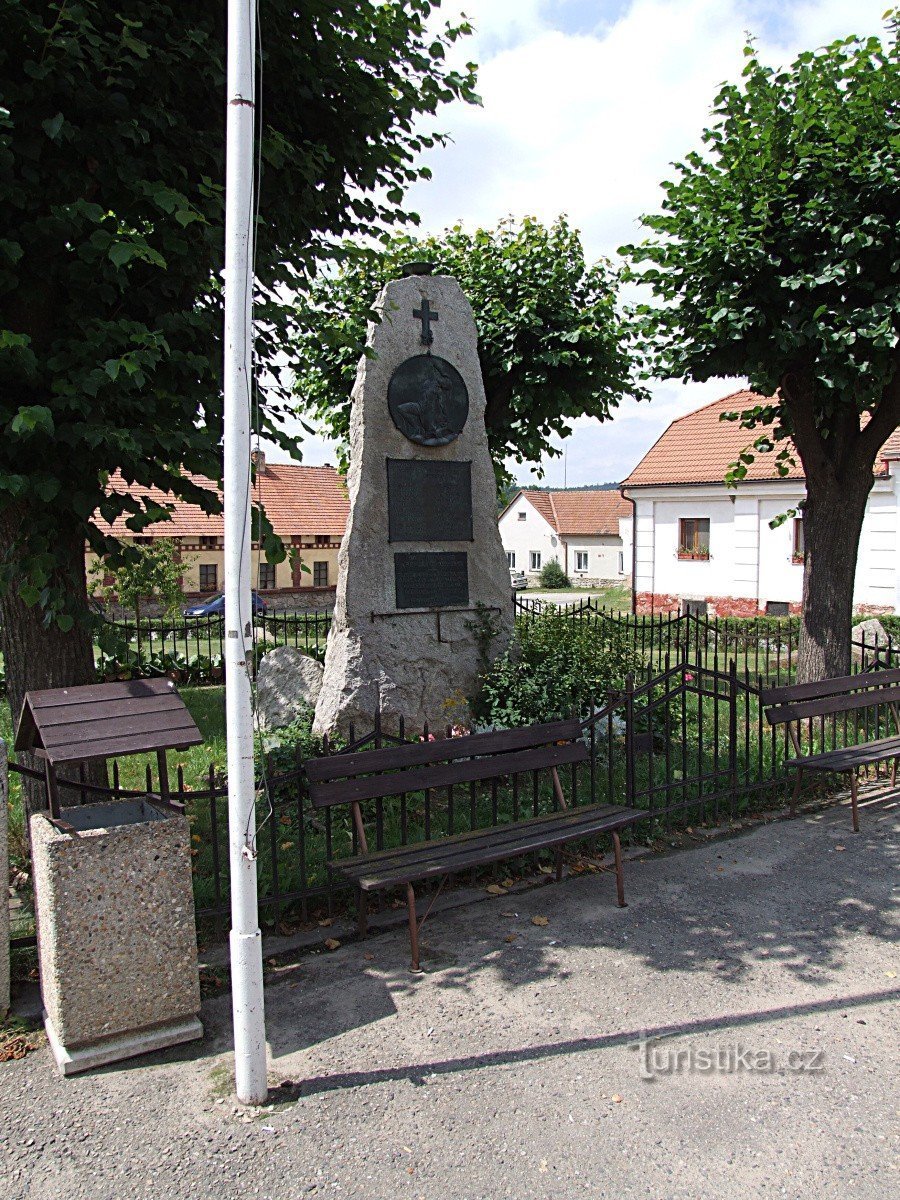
(117, 942)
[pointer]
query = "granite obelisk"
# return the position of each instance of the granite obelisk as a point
(421, 566)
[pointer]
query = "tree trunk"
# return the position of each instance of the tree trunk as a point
(832, 524)
(42, 656)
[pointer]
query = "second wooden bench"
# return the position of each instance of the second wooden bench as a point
(400, 770)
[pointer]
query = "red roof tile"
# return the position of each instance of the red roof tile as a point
(297, 499)
(581, 513)
(700, 447)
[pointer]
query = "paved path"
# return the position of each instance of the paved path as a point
(506, 1070)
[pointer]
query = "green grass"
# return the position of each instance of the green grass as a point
(616, 596)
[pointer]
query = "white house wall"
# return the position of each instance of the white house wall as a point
(532, 533)
(605, 559)
(750, 563)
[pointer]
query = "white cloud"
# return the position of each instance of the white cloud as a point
(587, 123)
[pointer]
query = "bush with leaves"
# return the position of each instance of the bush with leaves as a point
(553, 576)
(554, 667)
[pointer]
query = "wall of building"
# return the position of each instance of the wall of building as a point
(605, 559)
(523, 532)
(750, 564)
(294, 587)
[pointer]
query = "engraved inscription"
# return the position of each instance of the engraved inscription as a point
(426, 579)
(429, 501)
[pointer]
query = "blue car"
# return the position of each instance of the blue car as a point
(215, 606)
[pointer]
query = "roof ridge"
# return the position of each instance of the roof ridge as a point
(747, 391)
(553, 510)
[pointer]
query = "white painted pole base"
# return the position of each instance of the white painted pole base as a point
(248, 1003)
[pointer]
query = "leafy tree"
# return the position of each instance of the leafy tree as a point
(551, 343)
(776, 256)
(150, 572)
(111, 166)
(553, 576)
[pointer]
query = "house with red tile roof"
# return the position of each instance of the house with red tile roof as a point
(699, 545)
(307, 506)
(580, 529)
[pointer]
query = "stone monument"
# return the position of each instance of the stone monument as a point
(421, 562)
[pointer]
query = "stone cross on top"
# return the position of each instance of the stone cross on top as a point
(426, 315)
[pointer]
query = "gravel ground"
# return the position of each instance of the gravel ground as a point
(510, 1068)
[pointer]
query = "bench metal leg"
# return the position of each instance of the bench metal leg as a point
(620, 878)
(559, 865)
(894, 773)
(413, 927)
(362, 912)
(795, 797)
(853, 801)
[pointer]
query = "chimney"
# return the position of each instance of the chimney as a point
(258, 458)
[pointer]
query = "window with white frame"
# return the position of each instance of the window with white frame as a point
(581, 560)
(511, 559)
(534, 560)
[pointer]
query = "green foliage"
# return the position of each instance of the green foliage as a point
(553, 576)
(555, 667)
(551, 343)
(148, 572)
(111, 162)
(777, 252)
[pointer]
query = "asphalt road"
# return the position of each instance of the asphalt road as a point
(513, 1067)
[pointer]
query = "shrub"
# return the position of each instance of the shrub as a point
(555, 665)
(553, 576)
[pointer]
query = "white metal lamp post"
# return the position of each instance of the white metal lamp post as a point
(246, 939)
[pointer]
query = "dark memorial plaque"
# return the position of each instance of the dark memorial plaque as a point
(428, 400)
(429, 501)
(431, 579)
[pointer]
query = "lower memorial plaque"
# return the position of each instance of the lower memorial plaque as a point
(431, 579)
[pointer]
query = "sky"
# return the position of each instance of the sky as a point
(586, 103)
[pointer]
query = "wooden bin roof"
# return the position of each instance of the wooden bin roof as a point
(105, 720)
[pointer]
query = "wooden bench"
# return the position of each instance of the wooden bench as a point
(847, 694)
(399, 770)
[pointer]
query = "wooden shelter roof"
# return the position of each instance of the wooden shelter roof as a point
(105, 720)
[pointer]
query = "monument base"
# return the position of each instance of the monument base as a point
(72, 1059)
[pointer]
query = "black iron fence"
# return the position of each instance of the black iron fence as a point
(688, 744)
(766, 647)
(190, 650)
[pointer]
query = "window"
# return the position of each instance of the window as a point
(777, 608)
(320, 574)
(693, 537)
(209, 543)
(266, 576)
(522, 515)
(323, 539)
(511, 559)
(209, 577)
(798, 554)
(534, 560)
(581, 560)
(621, 562)
(142, 541)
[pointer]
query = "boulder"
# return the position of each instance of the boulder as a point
(866, 640)
(286, 682)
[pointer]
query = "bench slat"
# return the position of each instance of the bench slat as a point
(396, 783)
(828, 705)
(459, 853)
(849, 757)
(839, 685)
(392, 758)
